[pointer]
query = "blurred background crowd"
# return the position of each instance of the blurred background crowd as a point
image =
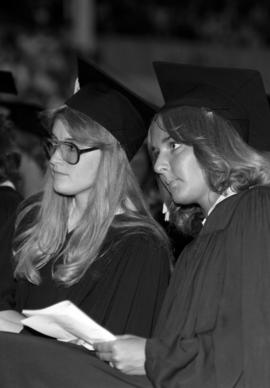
(38, 37)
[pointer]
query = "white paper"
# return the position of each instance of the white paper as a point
(66, 322)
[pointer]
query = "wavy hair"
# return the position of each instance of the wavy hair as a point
(46, 238)
(227, 161)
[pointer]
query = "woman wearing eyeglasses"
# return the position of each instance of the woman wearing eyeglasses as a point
(89, 237)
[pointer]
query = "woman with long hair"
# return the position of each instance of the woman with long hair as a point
(89, 236)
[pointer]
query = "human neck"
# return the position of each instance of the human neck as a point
(209, 202)
(76, 211)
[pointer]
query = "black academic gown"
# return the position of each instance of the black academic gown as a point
(214, 327)
(123, 290)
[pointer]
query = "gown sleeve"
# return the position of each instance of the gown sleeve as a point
(255, 297)
(181, 362)
(233, 350)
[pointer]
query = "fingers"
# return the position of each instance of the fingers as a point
(104, 356)
(103, 347)
(108, 357)
(104, 350)
(126, 353)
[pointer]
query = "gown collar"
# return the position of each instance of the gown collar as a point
(226, 194)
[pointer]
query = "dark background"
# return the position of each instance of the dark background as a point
(38, 39)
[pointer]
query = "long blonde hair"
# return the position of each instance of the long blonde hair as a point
(227, 161)
(45, 238)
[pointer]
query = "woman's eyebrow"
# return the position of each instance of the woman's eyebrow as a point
(163, 141)
(167, 138)
(69, 139)
(65, 139)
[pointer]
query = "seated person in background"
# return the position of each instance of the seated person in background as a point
(89, 237)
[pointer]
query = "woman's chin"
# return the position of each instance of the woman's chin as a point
(180, 200)
(62, 190)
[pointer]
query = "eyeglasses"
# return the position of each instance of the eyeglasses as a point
(69, 151)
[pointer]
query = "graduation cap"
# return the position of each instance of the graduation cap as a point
(7, 83)
(235, 94)
(123, 113)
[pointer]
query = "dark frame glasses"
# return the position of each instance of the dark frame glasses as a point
(70, 152)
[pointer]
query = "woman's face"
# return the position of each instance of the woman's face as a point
(179, 170)
(73, 180)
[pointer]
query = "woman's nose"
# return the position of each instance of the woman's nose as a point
(56, 155)
(161, 164)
